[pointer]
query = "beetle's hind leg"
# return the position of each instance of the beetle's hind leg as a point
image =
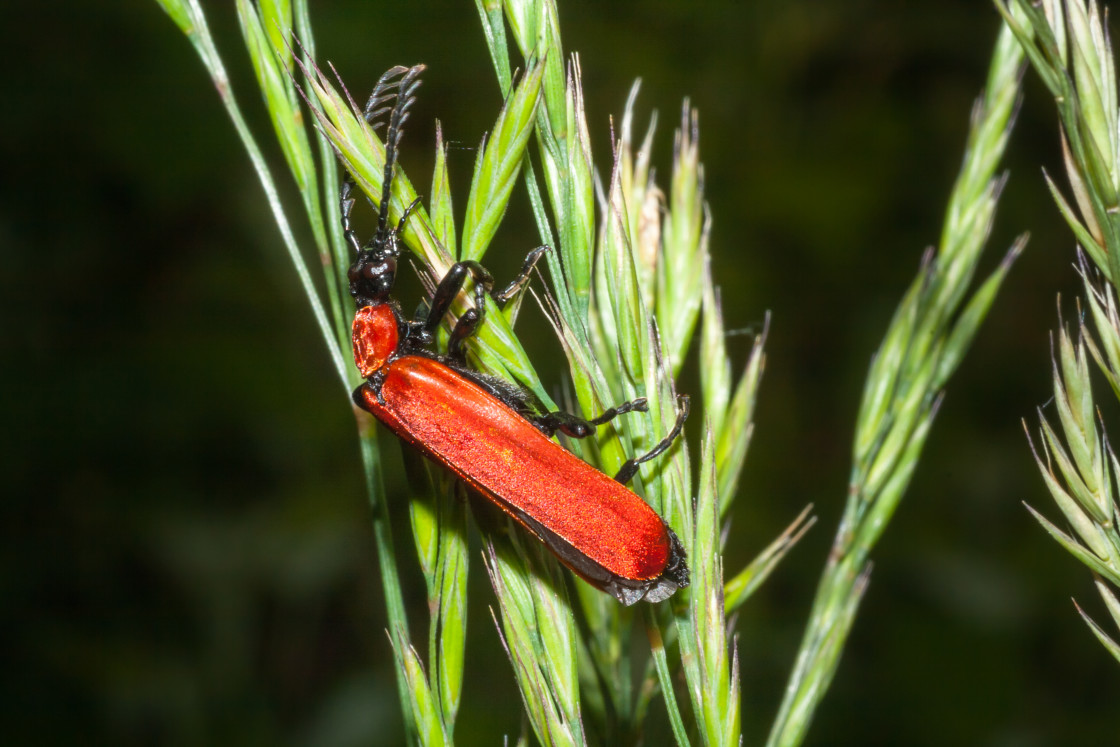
(576, 427)
(630, 467)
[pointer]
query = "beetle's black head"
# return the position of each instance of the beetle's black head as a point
(373, 272)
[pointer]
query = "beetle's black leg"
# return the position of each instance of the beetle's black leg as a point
(345, 205)
(504, 296)
(630, 467)
(450, 286)
(464, 328)
(576, 427)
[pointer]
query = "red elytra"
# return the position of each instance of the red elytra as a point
(472, 426)
(595, 525)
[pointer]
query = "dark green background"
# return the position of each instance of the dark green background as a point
(186, 554)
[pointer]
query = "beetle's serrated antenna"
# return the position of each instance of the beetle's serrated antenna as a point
(383, 93)
(397, 85)
(376, 105)
(406, 89)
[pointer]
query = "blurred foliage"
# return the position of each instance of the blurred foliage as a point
(186, 554)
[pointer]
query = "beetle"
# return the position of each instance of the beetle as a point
(483, 429)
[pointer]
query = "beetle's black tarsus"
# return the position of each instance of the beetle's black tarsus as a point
(510, 291)
(630, 468)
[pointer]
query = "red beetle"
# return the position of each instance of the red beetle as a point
(482, 428)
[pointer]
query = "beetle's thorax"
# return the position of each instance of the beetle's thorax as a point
(375, 336)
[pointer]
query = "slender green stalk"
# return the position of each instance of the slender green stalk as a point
(1069, 47)
(268, 40)
(925, 342)
(266, 35)
(660, 661)
(387, 563)
(188, 16)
